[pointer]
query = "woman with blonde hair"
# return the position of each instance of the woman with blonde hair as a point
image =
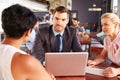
(110, 26)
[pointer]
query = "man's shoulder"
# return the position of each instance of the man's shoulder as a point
(45, 29)
(70, 28)
(69, 31)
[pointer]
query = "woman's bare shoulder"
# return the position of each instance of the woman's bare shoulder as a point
(28, 66)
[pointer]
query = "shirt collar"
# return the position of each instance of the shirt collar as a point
(56, 33)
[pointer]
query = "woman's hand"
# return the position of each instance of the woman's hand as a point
(110, 72)
(91, 63)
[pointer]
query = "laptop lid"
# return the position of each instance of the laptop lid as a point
(66, 63)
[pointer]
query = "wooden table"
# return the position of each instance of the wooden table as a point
(94, 77)
(90, 76)
(85, 41)
(86, 77)
(96, 49)
(96, 46)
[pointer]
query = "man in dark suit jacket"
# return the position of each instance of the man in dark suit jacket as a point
(46, 37)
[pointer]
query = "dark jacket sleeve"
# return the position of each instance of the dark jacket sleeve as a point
(76, 46)
(38, 50)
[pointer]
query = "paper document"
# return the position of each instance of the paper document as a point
(97, 45)
(95, 71)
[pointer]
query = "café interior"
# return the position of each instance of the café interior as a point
(87, 11)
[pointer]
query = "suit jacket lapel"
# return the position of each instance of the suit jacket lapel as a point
(65, 42)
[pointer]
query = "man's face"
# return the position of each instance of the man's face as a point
(75, 23)
(60, 21)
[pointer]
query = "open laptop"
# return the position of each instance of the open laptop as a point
(66, 63)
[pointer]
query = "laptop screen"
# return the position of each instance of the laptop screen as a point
(66, 63)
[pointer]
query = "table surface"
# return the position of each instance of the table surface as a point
(86, 77)
(85, 40)
(94, 45)
(90, 76)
